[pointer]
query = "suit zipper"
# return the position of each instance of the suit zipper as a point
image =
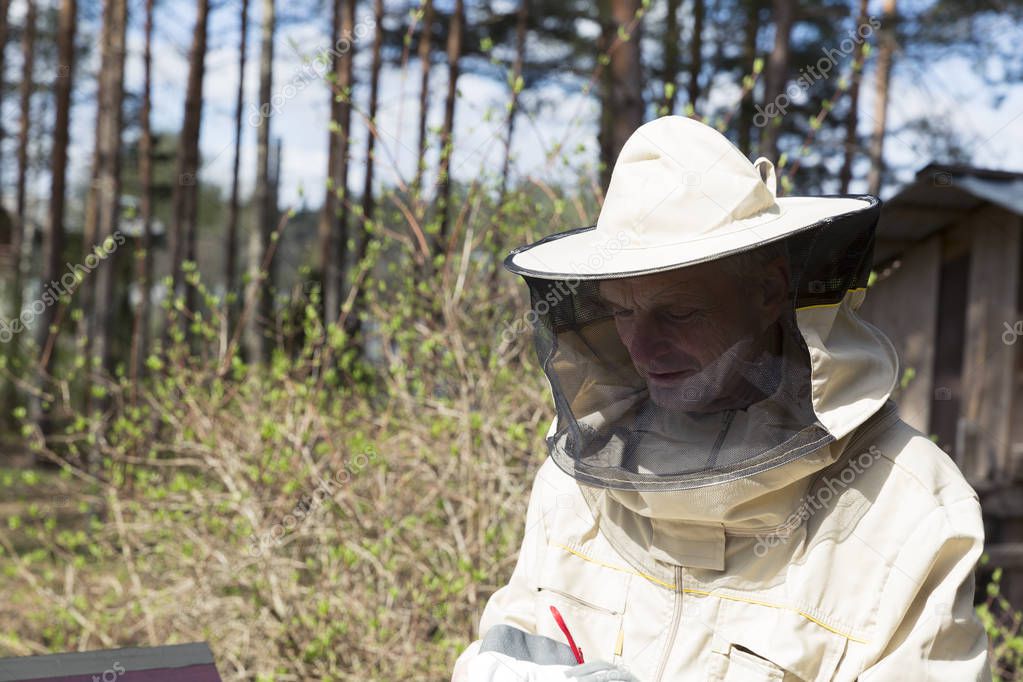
(676, 617)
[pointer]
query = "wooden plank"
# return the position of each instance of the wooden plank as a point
(1002, 503)
(904, 305)
(1008, 555)
(982, 448)
(1014, 469)
(950, 338)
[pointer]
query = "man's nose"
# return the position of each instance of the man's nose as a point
(650, 340)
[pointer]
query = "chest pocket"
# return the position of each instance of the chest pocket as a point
(591, 598)
(762, 643)
(742, 665)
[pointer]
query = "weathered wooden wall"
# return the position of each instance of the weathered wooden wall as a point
(951, 308)
(904, 305)
(989, 359)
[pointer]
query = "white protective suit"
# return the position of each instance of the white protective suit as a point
(852, 561)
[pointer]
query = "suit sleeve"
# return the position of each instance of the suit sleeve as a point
(940, 637)
(513, 604)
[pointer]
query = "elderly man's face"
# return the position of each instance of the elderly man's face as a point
(686, 330)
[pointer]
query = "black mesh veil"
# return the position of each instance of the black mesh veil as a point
(694, 375)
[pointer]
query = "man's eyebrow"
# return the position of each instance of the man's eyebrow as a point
(673, 289)
(670, 291)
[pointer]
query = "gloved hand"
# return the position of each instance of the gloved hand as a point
(600, 671)
(491, 666)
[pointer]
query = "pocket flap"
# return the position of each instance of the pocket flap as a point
(773, 636)
(746, 666)
(587, 580)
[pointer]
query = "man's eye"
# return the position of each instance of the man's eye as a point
(681, 316)
(621, 312)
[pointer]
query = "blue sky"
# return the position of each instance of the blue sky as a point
(945, 89)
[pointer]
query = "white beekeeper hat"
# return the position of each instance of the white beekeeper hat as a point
(680, 193)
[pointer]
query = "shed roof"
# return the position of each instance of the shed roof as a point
(937, 199)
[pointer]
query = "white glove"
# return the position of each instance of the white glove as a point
(491, 666)
(600, 671)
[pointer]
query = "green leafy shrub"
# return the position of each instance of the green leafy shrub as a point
(341, 511)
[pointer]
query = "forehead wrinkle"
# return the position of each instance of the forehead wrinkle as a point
(632, 289)
(686, 286)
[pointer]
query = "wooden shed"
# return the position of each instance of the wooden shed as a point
(949, 294)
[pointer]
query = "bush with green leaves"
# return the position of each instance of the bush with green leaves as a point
(340, 511)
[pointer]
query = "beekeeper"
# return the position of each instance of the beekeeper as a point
(730, 493)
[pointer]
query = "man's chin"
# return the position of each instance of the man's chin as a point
(677, 400)
(691, 400)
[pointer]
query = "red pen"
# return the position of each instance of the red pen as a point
(576, 651)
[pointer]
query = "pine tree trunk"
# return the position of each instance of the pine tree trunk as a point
(186, 189)
(346, 85)
(885, 52)
(258, 302)
(92, 199)
(454, 54)
(852, 120)
(28, 38)
(353, 321)
(374, 94)
(776, 75)
(672, 38)
(749, 57)
(231, 246)
(425, 36)
(53, 241)
(109, 177)
(20, 235)
(521, 23)
(144, 260)
(696, 53)
(605, 135)
(5, 6)
(622, 97)
(329, 296)
(86, 293)
(28, 41)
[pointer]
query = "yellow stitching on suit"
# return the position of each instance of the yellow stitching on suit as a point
(802, 613)
(651, 578)
(705, 593)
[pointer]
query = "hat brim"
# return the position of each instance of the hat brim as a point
(585, 253)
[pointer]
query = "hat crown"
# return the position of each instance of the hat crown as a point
(678, 180)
